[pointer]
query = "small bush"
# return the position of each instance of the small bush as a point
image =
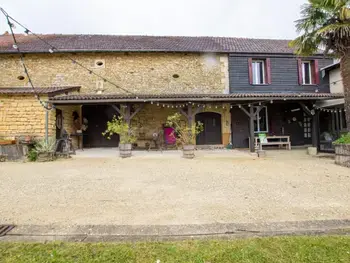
(344, 139)
(32, 155)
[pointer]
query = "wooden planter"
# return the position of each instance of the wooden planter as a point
(7, 142)
(45, 157)
(342, 154)
(125, 150)
(188, 151)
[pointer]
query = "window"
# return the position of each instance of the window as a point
(306, 72)
(307, 126)
(260, 123)
(258, 71)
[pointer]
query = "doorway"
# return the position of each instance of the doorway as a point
(97, 116)
(211, 134)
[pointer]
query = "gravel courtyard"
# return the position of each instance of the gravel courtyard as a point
(164, 189)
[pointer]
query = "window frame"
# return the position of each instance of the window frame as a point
(303, 72)
(263, 63)
(258, 120)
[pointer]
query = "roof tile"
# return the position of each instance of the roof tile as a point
(124, 43)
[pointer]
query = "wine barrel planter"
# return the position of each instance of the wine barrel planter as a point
(188, 151)
(46, 157)
(342, 154)
(12, 152)
(125, 150)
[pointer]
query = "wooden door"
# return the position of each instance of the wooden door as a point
(97, 116)
(59, 123)
(211, 134)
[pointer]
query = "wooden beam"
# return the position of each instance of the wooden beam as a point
(245, 111)
(315, 129)
(117, 109)
(183, 113)
(305, 108)
(137, 110)
(251, 130)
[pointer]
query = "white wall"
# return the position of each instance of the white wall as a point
(335, 81)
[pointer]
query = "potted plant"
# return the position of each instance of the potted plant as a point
(342, 150)
(126, 135)
(45, 150)
(185, 135)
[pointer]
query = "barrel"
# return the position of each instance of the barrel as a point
(188, 151)
(342, 154)
(125, 150)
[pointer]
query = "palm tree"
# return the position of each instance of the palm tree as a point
(325, 25)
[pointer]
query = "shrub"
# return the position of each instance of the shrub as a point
(43, 146)
(119, 126)
(344, 139)
(32, 155)
(186, 135)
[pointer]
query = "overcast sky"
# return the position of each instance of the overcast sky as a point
(236, 18)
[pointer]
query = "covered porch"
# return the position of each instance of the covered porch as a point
(230, 120)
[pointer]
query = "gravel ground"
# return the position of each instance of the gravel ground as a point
(156, 189)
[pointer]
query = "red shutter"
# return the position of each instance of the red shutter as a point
(316, 73)
(250, 70)
(300, 72)
(268, 71)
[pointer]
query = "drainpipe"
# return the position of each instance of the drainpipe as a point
(46, 124)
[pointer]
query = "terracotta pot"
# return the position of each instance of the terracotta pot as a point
(125, 150)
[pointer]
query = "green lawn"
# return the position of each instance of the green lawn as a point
(275, 249)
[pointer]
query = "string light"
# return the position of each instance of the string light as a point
(52, 49)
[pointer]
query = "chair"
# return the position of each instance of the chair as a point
(64, 145)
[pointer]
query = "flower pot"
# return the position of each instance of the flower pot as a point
(188, 151)
(342, 154)
(125, 150)
(45, 156)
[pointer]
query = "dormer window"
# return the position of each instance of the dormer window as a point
(258, 68)
(259, 71)
(306, 72)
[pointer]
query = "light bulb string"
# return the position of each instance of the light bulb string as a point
(53, 49)
(37, 96)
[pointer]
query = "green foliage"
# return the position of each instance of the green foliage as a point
(344, 139)
(186, 135)
(324, 24)
(119, 126)
(43, 146)
(32, 155)
(296, 249)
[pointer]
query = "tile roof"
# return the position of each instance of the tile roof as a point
(125, 43)
(51, 91)
(190, 97)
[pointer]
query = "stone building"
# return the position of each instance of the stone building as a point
(95, 77)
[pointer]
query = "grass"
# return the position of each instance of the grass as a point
(273, 249)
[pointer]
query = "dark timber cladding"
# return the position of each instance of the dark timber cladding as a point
(283, 74)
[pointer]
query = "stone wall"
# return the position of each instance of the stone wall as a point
(23, 115)
(151, 118)
(156, 73)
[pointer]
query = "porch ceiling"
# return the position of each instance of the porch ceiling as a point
(115, 98)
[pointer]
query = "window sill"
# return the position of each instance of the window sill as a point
(259, 84)
(308, 85)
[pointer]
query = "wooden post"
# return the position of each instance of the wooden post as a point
(251, 130)
(337, 126)
(315, 129)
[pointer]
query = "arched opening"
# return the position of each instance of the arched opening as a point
(212, 128)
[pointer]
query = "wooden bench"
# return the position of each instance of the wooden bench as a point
(273, 140)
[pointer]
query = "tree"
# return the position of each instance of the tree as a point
(325, 25)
